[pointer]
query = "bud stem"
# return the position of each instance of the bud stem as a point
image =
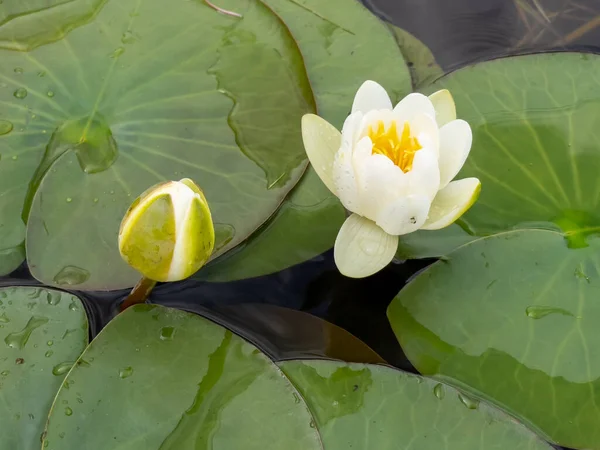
(139, 293)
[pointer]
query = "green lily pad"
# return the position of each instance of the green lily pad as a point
(305, 226)
(514, 318)
(376, 407)
(422, 64)
(160, 378)
(536, 128)
(330, 36)
(42, 333)
(119, 104)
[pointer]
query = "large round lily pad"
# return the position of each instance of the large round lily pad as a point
(376, 407)
(536, 135)
(514, 318)
(160, 378)
(42, 333)
(118, 104)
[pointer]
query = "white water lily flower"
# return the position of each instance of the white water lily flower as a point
(392, 168)
(168, 234)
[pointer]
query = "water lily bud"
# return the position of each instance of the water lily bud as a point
(167, 234)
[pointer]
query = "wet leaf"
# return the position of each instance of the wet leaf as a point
(119, 104)
(166, 379)
(42, 332)
(422, 64)
(535, 122)
(513, 318)
(377, 407)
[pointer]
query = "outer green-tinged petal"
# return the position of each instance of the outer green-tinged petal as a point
(168, 234)
(321, 141)
(456, 138)
(362, 248)
(371, 96)
(452, 202)
(445, 109)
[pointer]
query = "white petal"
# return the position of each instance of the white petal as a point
(321, 142)
(373, 119)
(445, 109)
(352, 128)
(362, 248)
(413, 105)
(344, 179)
(404, 215)
(424, 178)
(425, 128)
(380, 182)
(370, 96)
(455, 144)
(452, 202)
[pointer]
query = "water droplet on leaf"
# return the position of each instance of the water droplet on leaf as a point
(538, 312)
(5, 127)
(469, 402)
(71, 275)
(4, 318)
(19, 339)
(439, 391)
(68, 412)
(20, 93)
(126, 372)
(62, 368)
(50, 94)
(166, 333)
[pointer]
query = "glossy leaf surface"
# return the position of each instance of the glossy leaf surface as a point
(535, 122)
(160, 378)
(376, 407)
(42, 333)
(513, 318)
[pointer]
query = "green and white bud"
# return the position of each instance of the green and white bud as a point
(168, 234)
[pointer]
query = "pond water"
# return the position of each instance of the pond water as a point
(458, 33)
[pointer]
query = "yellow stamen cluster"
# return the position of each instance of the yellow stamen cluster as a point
(400, 149)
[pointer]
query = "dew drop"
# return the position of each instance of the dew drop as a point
(20, 93)
(126, 372)
(19, 70)
(4, 373)
(438, 391)
(68, 412)
(4, 318)
(42, 73)
(118, 52)
(5, 127)
(50, 94)
(49, 353)
(127, 38)
(19, 339)
(167, 333)
(469, 402)
(15, 157)
(50, 343)
(62, 368)
(538, 312)
(96, 200)
(71, 275)
(53, 298)
(69, 199)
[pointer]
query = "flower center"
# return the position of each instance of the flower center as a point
(400, 149)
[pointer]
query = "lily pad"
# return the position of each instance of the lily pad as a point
(420, 60)
(160, 378)
(376, 407)
(536, 129)
(42, 332)
(119, 104)
(514, 318)
(305, 226)
(330, 36)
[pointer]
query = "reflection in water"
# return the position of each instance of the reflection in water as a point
(462, 31)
